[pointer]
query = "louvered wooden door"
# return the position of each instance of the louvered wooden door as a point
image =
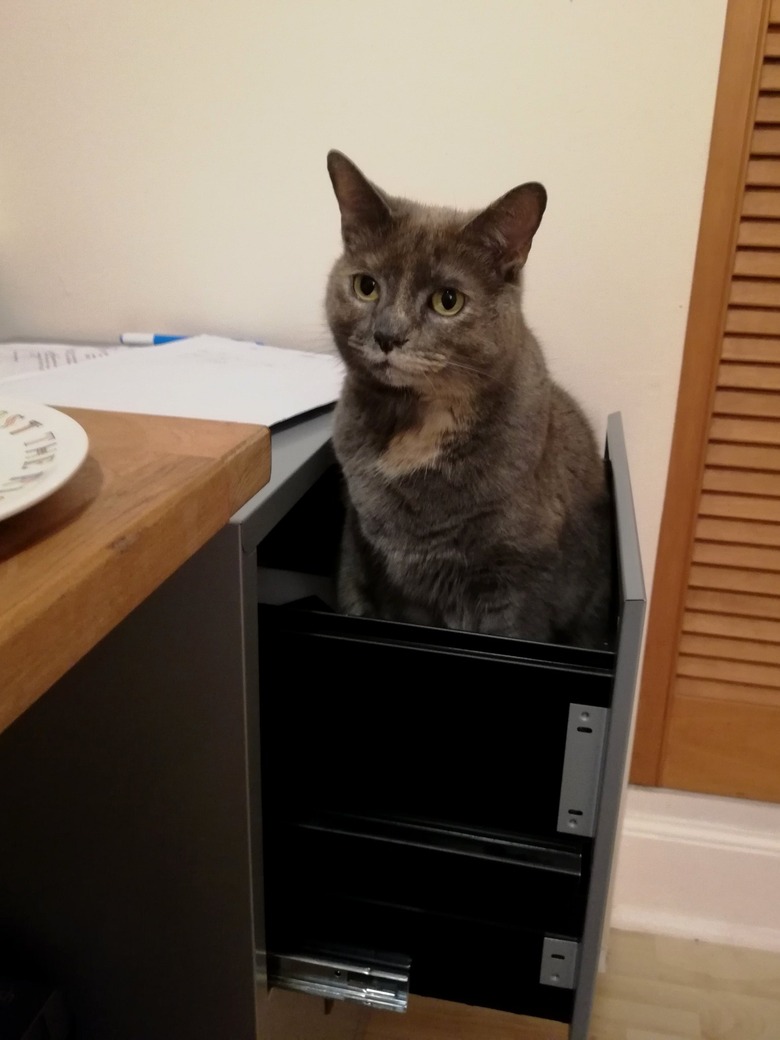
(709, 717)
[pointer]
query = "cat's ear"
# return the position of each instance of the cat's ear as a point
(508, 225)
(363, 206)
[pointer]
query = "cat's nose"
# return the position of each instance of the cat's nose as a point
(388, 342)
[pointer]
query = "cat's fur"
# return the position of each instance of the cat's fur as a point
(476, 495)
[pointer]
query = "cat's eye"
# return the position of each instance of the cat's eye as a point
(365, 287)
(448, 302)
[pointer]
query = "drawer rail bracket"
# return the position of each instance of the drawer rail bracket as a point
(582, 767)
(559, 962)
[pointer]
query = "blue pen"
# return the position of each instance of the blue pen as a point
(146, 339)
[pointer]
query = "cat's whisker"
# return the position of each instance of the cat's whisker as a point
(430, 382)
(469, 368)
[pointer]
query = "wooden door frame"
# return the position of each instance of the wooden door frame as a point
(744, 39)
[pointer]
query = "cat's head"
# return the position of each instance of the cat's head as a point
(426, 297)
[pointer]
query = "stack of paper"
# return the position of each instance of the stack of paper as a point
(203, 377)
(20, 359)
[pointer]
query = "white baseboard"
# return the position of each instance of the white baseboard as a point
(699, 867)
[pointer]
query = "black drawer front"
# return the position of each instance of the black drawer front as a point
(485, 878)
(369, 724)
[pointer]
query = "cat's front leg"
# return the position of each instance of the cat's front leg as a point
(351, 582)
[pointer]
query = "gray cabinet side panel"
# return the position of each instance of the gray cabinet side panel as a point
(125, 873)
(632, 614)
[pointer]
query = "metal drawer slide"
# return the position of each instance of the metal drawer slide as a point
(383, 985)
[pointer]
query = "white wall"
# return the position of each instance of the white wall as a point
(162, 166)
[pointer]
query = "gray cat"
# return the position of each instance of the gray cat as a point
(476, 494)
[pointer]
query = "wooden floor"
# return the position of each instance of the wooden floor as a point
(655, 988)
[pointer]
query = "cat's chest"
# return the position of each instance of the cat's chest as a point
(416, 444)
(422, 445)
(413, 486)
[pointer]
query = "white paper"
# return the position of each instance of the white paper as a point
(204, 377)
(18, 359)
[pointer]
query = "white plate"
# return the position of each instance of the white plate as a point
(40, 450)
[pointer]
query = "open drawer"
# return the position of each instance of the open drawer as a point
(468, 912)
(437, 799)
(452, 958)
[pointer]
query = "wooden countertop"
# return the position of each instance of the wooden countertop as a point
(151, 492)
